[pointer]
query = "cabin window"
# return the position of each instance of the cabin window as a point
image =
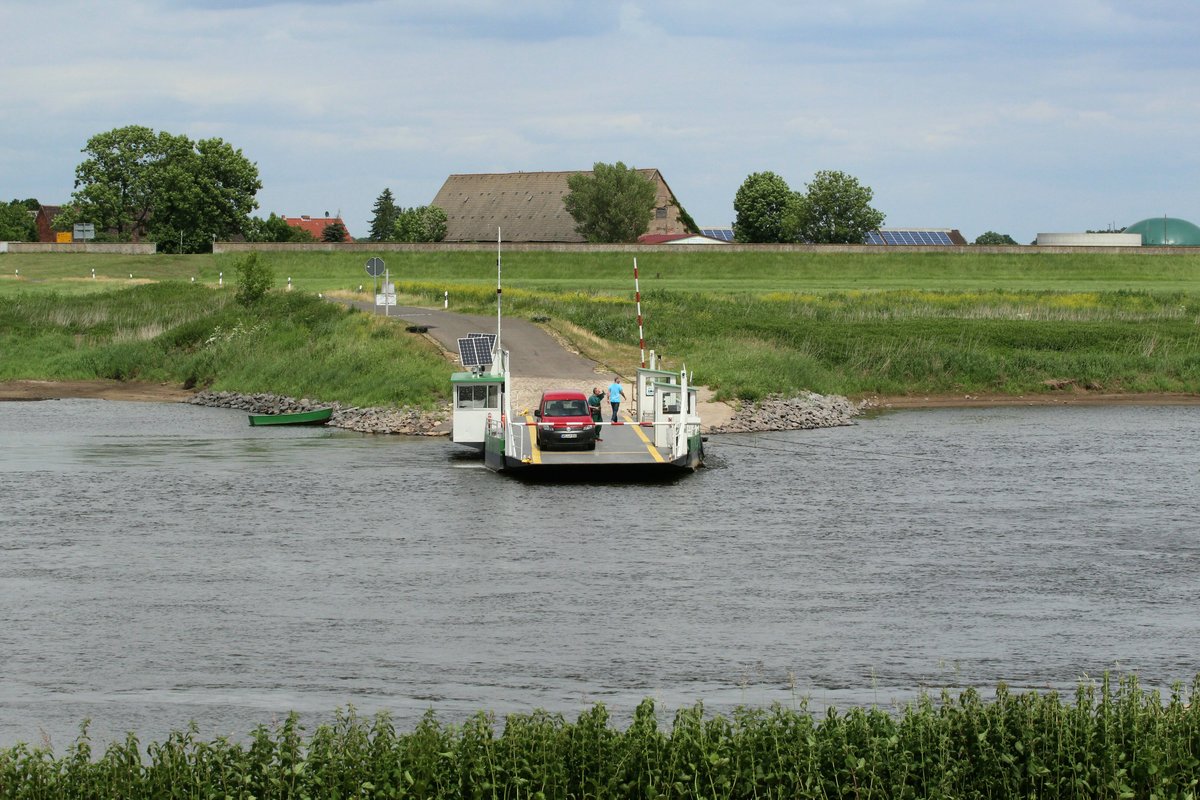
(670, 402)
(480, 395)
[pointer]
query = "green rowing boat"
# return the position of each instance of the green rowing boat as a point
(318, 417)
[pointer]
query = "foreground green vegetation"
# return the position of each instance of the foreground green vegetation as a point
(288, 343)
(1109, 741)
(748, 324)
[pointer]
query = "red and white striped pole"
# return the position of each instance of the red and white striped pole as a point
(637, 293)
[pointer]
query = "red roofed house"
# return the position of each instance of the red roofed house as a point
(317, 225)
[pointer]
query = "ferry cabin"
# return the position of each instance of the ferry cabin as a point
(477, 396)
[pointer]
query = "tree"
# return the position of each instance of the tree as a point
(221, 185)
(334, 232)
(383, 221)
(136, 182)
(275, 229)
(991, 237)
(16, 224)
(762, 204)
(836, 209)
(613, 204)
(254, 278)
(420, 224)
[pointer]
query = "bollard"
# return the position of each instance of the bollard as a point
(93, 273)
(193, 279)
(446, 301)
(220, 279)
(131, 276)
(289, 286)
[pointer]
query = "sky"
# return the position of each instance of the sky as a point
(1013, 116)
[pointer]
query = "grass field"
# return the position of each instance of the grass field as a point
(748, 324)
(706, 271)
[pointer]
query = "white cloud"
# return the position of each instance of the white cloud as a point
(926, 101)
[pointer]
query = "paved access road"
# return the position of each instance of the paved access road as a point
(533, 352)
(538, 360)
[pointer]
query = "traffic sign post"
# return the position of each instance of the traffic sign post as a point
(387, 297)
(376, 267)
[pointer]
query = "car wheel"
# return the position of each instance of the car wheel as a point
(591, 446)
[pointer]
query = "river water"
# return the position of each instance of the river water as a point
(167, 563)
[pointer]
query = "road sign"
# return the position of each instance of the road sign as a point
(375, 267)
(84, 230)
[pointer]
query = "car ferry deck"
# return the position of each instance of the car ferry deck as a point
(659, 435)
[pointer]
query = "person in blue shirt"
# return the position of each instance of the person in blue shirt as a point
(615, 395)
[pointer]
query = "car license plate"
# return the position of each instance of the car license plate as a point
(569, 435)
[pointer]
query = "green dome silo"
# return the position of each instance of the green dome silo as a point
(1170, 231)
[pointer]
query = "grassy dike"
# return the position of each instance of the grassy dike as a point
(748, 324)
(290, 344)
(1111, 740)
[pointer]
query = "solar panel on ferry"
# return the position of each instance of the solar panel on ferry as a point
(483, 350)
(466, 353)
(491, 337)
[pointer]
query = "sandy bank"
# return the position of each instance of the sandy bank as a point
(95, 389)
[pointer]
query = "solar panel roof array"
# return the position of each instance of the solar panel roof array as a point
(724, 234)
(894, 237)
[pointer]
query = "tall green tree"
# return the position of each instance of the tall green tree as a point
(420, 224)
(615, 203)
(334, 232)
(136, 182)
(762, 204)
(115, 185)
(836, 209)
(16, 225)
(383, 219)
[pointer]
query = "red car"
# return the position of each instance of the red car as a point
(564, 419)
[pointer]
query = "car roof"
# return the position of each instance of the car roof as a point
(563, 394)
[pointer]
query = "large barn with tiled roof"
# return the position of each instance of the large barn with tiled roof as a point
(528, 207)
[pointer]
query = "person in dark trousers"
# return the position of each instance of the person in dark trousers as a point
(594, 401)
(615, 395)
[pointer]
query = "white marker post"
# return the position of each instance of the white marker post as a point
(637, 293)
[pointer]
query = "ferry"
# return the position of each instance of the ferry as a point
(658, 436)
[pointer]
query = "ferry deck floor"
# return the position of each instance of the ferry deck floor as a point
(623, 444)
